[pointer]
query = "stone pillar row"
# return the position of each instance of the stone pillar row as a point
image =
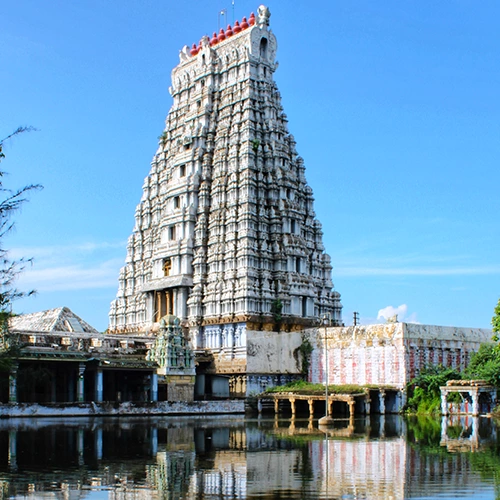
(80, 385)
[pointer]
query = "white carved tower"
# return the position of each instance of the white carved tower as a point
(225, 234)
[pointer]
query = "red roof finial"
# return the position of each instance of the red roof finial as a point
(237, 27)
(229, 31)
(244, 23)
(221, 36)
(214, 39)
(194, 50)
(251, 21)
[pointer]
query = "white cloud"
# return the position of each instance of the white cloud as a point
(71, 277)
(67, 252)
(80, 266)
(401, 311)
(390, 311)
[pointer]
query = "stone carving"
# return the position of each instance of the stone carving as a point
(264, 15)
(184, 54)
(171, 350)
(252, 349)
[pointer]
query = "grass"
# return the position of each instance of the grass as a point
(307, 388)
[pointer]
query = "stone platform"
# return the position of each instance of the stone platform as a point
(14, 410)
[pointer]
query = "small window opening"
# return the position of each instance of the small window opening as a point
(182, 170)
(263, 47)
(177, 202)
(167, 267)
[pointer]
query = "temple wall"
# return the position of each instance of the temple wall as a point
(433, 345)
(273, 352)
(389, 354)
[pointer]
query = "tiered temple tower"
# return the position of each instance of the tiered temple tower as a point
(225, 235)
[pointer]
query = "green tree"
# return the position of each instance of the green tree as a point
(495, 322)
(485, 364)
(10, 202)
(424, 394)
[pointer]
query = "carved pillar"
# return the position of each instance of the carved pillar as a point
(98, 385)
(276, 406)
(444, 402)
(80, 383)
(158, 306)
(475, 401)
(381, 398)
(292, 405)
(311, 408)
(444, 430)
(367, 405)
(352, 404)
(13, 383)
(154, 387)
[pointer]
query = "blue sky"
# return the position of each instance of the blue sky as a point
(394, 106)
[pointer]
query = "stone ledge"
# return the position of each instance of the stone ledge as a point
(15, 410)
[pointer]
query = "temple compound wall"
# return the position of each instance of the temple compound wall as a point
(389, 355)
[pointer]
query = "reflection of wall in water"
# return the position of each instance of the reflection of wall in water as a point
(172, 472)
(226, 477)
(268, 470)
(433, 474)
(370, 469)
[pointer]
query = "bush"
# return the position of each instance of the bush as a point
(485, 364)
(424, 394)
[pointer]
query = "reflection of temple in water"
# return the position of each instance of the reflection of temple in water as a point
(230, 459)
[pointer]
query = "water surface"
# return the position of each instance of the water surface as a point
(238, 458)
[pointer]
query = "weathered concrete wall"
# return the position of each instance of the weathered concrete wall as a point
(371, 354)
(389, 354)
(180, 388)
(273, 352)
(111, 409)
(446, 345)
